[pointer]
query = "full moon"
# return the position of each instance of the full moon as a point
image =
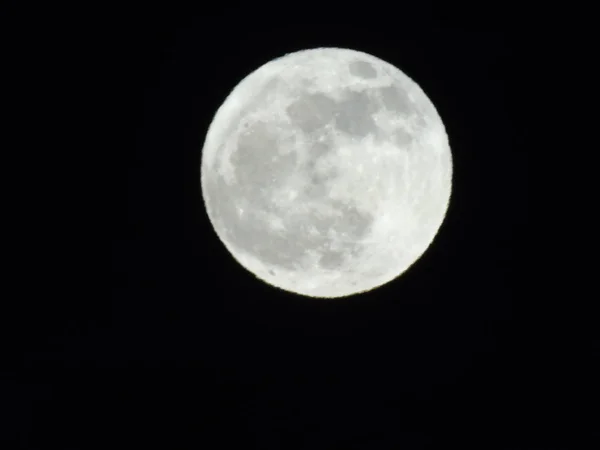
(326, 172)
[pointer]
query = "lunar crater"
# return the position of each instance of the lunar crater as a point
(362, 69)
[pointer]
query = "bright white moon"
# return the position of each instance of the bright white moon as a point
(326, 172)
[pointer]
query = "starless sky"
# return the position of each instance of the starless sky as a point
(191, 351)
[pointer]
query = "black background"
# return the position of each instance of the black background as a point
(189, 350)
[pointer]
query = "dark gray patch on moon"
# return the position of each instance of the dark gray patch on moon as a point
(351, 115)
(258, 163)
(311, 112)
(331, 259)
(317, 186)
(395, 100)
(319, 149)
(259, 168)
(362, 69)
(402, 138)
(353, 223)
(354, 115)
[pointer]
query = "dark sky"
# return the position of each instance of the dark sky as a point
(189, 350)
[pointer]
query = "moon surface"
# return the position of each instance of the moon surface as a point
(326, 172)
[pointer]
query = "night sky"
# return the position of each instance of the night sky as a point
(190, 350)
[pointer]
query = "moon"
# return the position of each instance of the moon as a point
(326, 172)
